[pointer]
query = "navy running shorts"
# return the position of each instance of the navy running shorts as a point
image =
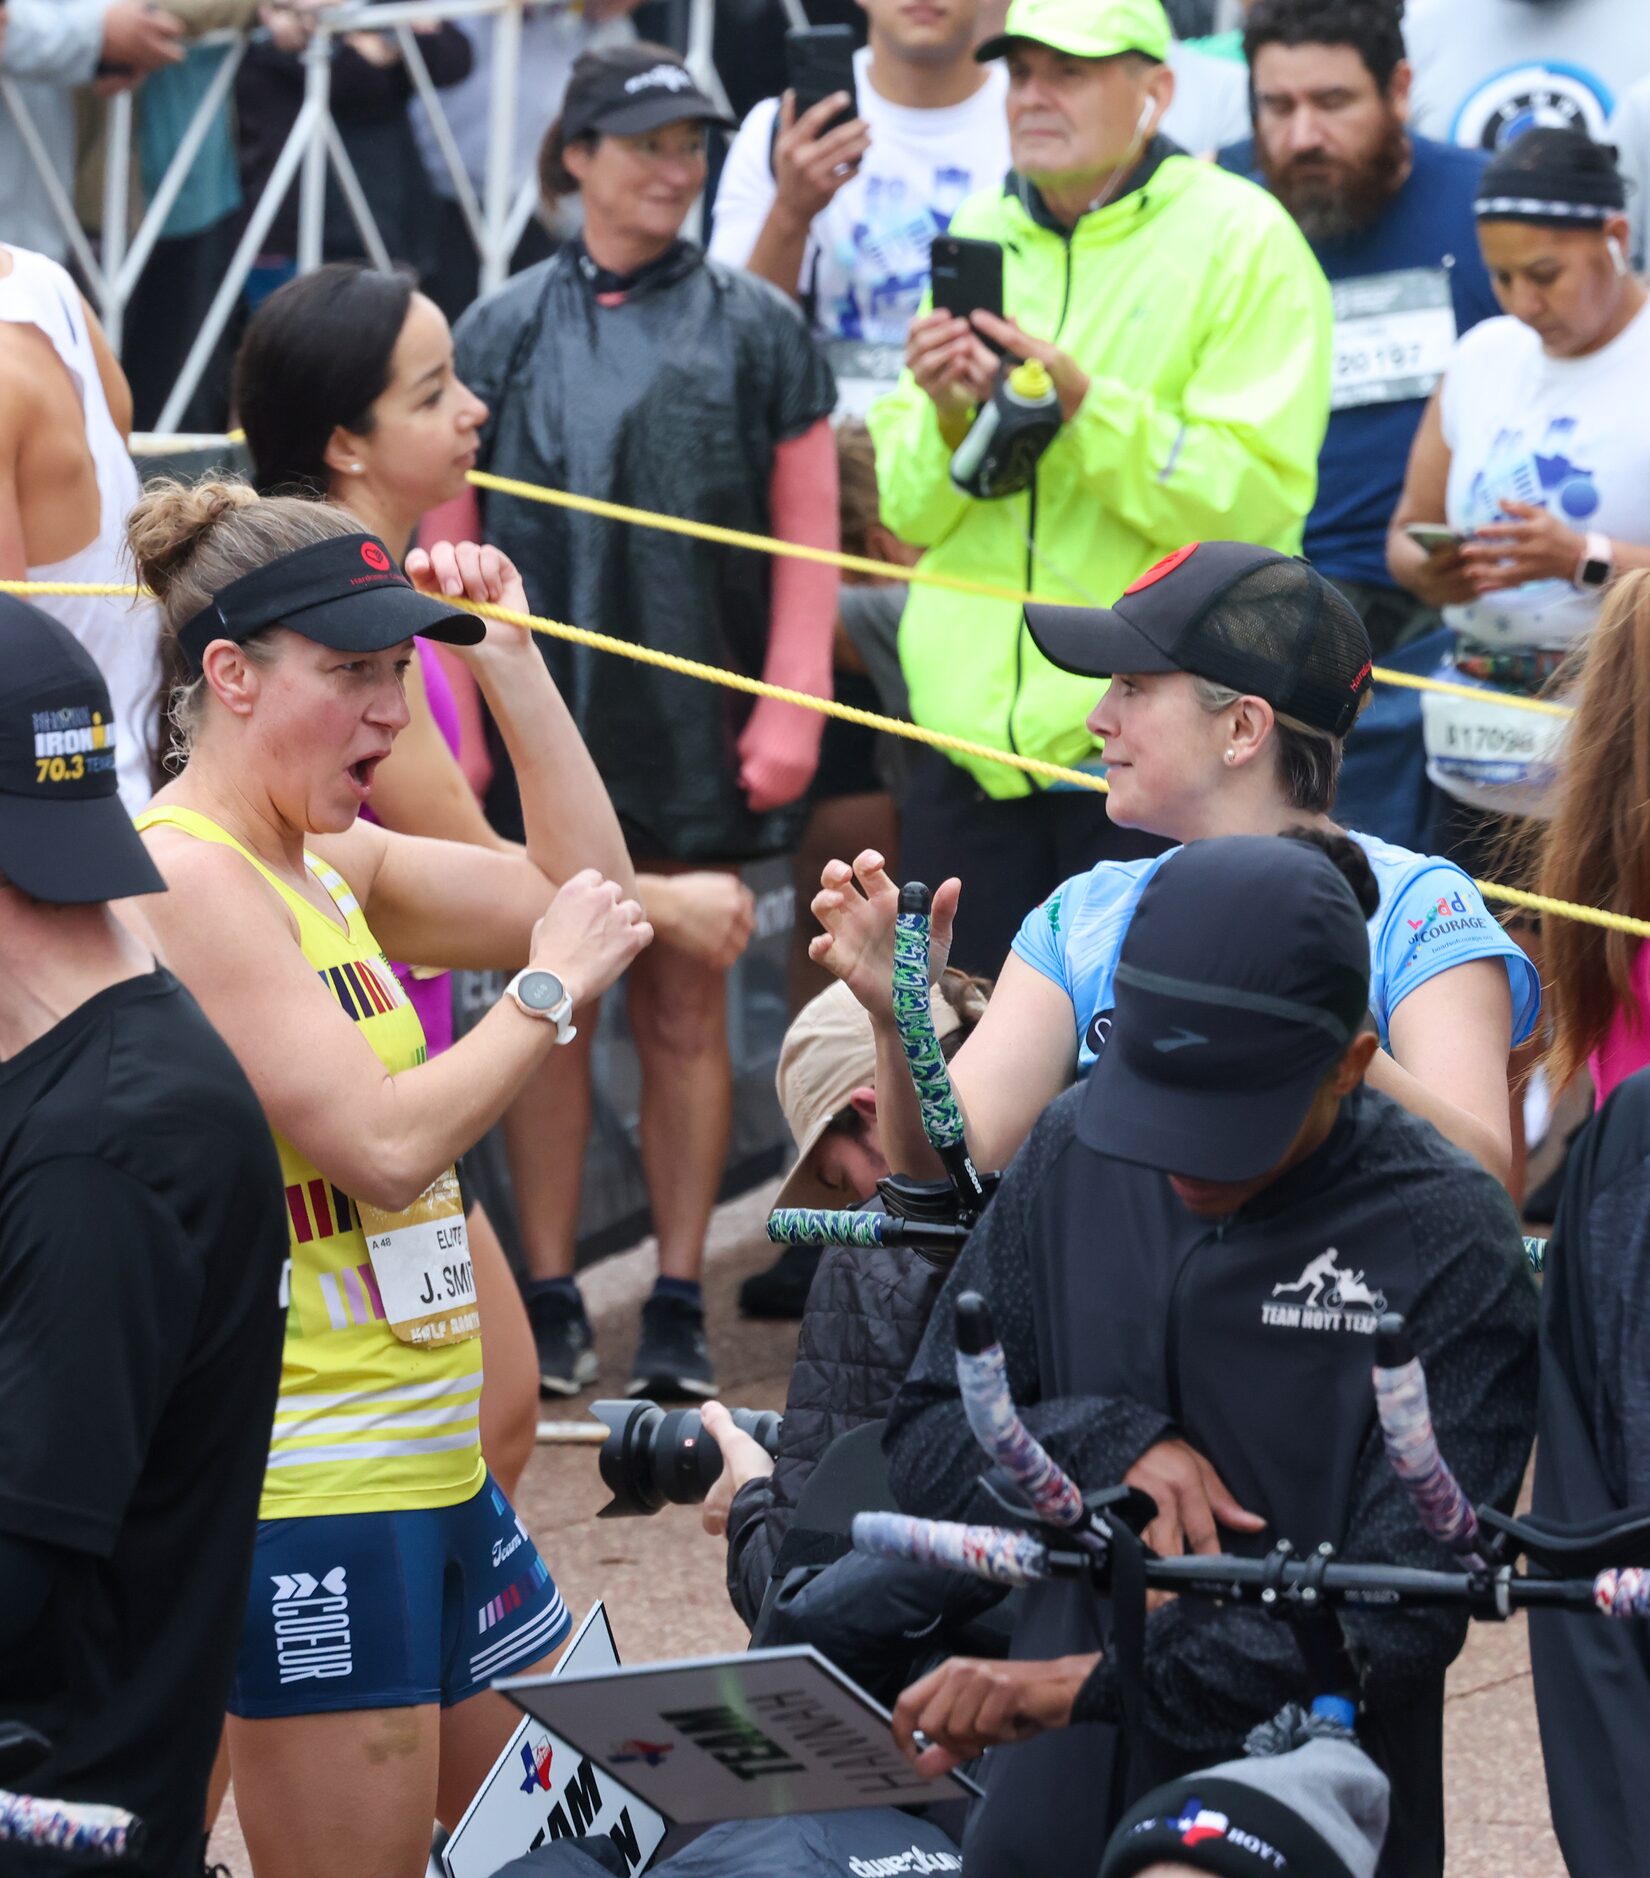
(387, 1610)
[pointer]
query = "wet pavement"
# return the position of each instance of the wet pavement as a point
(663, 1583)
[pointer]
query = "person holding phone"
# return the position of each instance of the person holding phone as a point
(1533, 454)
(1153, 289)
(834, 191)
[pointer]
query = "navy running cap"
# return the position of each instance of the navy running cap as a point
(345, 592)
(1244, 975)
(65, 836)
(1265, 623)
(625, 91)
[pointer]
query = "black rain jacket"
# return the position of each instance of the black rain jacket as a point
(675, 400)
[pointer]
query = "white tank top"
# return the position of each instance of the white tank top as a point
(122, 635)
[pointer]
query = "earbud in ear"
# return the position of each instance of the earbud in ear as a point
(1618, 260)
(1144, 119)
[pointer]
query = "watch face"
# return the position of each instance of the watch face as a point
(541, 991)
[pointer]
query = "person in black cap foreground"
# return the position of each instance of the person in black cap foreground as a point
(1185, 1265)
(1236, 675)
(141, 1240)
(631, 368)
(392, 1579)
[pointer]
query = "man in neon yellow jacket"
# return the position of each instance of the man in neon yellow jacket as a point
(1186, 326)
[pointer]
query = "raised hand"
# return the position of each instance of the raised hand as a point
(468, 570)
(857, 906)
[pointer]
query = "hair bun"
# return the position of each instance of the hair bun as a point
(1349, 858)
(170, 521)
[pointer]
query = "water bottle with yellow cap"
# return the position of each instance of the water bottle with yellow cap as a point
(999, 455)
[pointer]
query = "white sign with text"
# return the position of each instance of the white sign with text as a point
(758, 1736)
(542, 1787)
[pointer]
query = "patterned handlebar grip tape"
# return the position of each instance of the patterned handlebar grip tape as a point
(800, 1225)
(1412, 1447)
(997, 1553)
(983, 1383)
(941, 1118)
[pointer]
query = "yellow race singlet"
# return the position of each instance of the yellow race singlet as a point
(364, 1423)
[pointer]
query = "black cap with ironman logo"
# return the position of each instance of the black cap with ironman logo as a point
(344, 592)
(1264, 623)
(64, 835)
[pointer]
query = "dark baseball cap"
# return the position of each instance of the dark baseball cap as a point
(626, 90)
(1264, 623)
(344, 592)
(64, 835)
(1243, 976)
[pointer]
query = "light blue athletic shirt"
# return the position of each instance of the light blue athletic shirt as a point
(1431, 917)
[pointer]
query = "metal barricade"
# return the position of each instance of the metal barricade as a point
(495, 219)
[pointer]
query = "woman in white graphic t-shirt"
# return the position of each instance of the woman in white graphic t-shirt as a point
(1535, 451)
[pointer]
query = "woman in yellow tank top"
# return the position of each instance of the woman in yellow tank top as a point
(391, 1580)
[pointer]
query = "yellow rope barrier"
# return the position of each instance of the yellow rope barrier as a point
(851, 714)
(918, 576)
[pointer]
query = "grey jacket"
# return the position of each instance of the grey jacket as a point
(865, 1317)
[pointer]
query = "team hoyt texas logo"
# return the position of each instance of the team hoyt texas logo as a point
(1325, 1297)
(1197, 1824)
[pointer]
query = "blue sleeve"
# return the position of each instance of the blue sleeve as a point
(1045, 932)
(1437, 920)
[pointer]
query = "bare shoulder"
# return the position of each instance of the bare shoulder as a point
(211, 889)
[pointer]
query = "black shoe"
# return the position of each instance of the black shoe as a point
(672, 1361)
(567, 1359)
(782, 1290)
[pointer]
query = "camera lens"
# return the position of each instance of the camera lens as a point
(652, 1455)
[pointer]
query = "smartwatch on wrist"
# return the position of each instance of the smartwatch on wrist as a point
(542, 994)
(1598, 562)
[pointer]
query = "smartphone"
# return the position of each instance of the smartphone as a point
(966, 275)
(1434, 537)
(819, 61)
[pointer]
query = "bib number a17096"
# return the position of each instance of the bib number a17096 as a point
(421, 1259)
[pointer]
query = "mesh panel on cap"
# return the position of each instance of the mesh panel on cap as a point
(1283, 633)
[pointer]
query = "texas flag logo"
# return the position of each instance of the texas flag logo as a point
(536, 1761)
(1199, 1822)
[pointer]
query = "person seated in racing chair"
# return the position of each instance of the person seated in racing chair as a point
(868, 1305)
(1159, 1263)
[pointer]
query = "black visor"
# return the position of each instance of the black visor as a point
(346, 593)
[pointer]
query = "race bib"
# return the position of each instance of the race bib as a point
(1490, 754)
(421, 1260)
(1393, 336)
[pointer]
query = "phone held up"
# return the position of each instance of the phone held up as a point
(819, 62)
(966, 277)
(1434, 537)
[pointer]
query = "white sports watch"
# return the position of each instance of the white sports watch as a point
(542, 994)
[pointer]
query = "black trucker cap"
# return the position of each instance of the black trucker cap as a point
(1262, 622)
(64, 835)
(1243, 975)
(626, 90)
(345, 592)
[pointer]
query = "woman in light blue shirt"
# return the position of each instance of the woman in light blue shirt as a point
(1236, 674)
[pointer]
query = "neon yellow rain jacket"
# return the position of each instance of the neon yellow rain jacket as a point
(1204, 320)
